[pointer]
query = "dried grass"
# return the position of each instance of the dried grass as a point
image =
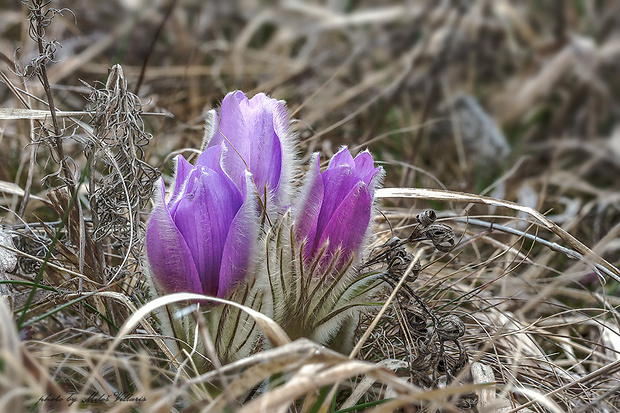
(533, 279)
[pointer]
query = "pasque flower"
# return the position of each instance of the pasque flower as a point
(256, 134)
(201, 240)
(336, 204)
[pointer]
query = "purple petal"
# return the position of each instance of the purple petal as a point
(338, 181)
(309, 208)
(277, 108)
(341, 158)
(251, 129)
(203, 216)
(365, 168)
(169, 256)
(261, 114)
(211, 158)
(234, 133)
(183, 169)
(237, 254)
(349, 222)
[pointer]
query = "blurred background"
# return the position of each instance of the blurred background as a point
(512, 99)
(516, 100)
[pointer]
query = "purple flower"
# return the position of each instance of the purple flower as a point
(336, 204)
(255, 132)
(201, 240)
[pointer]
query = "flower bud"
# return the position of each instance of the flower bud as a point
(336, 205)
(256, 134)
(202, 239)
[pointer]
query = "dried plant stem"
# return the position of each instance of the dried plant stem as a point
(48, 256)
(551, 245)
(371, 327)
(145, 63)
(99, 264)
(42, 74)
(395, 291)
(433, 89)
(32, 155)
(607, 370)
(31, 166)
(440, 195)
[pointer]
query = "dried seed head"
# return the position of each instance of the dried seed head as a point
(398, 266)
(426, 358)
(450, 328)
(442, 237)
(416, 316)
(423, 219)
(467, 401)
(384, 252)
(116, 146)
(426, 218)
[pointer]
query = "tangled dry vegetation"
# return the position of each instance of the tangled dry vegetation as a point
(501, 115)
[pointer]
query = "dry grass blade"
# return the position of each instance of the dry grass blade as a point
(16, 113)
(10, 350)
(292, 357)
(364, 386)
(272, 331)
(305, 383)
(606, 371)
(14, 189)
(442, 195)
(27, 373)
(483, 374)
(519, 98)
(293, 351)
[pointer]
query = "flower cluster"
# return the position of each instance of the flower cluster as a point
(202, 240)
(206, 238)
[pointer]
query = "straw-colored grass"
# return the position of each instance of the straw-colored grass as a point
(502, 116)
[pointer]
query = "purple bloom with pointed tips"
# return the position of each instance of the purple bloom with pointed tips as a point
(256, 134)
(336, 204)
(201, 240)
